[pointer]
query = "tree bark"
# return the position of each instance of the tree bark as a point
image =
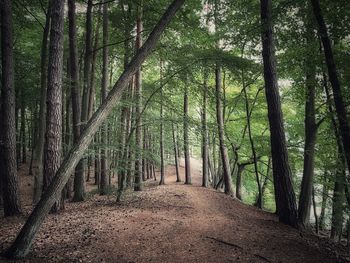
(23, 129)
(12, 205)
(239, 181)
(79, 188)
(205, 141)
(188, 179)
(221, 131)
(176, 155)
(53, 135)
(161, 139)
(252, 145)
(315, 211)
(39, 149)
(138, 94)
(22, 244)
(310, 132)
(338, 201)
(104, 127)
(284, 193)
(324, 202)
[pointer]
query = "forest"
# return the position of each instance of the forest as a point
(175, 131)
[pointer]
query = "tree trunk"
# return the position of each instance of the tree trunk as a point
(338, 202)
(23, 129)
(53, 135)
(324, 202)
(315, 211)
(39, 149)
(12, 205)
(104, 127)
(161, 139)
(310, 133)
(221, 131)
(264, 185)
(22, 244)
(138, 95)
(239, 181)
(255, 160)
(79, 189)
(188, 179)
(205, 143)
(92, 89)
(284, 193)
(344, 127)
(176, 155)
(79, 180)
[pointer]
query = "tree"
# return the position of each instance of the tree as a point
(53, 135)
(39, 148)
(75, 92)
(138, 94)
(104, 134)
(176, 153)
(12, 205)
(205, 146)
(310, 130)
(221, 132)
(79, 181)
(284, 192)
(161, 137)
(186, 139)
(24, 240)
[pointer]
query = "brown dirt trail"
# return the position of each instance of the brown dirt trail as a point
(170, 223)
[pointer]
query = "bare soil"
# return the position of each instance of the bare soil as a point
(170, 223)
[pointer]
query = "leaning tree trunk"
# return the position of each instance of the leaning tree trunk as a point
(334, 80)
(12, 205)
(284, 193)
(221, 131)
(310, 133)
(138, 95)
(39, 148)
(104, 133)
(79, 192)
(24, 240)
(53, 135)
(186, 139)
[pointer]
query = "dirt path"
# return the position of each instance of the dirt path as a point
(171, 223)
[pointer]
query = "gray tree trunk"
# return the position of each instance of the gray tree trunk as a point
(284, 192)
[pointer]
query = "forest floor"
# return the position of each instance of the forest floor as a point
(170, 223)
